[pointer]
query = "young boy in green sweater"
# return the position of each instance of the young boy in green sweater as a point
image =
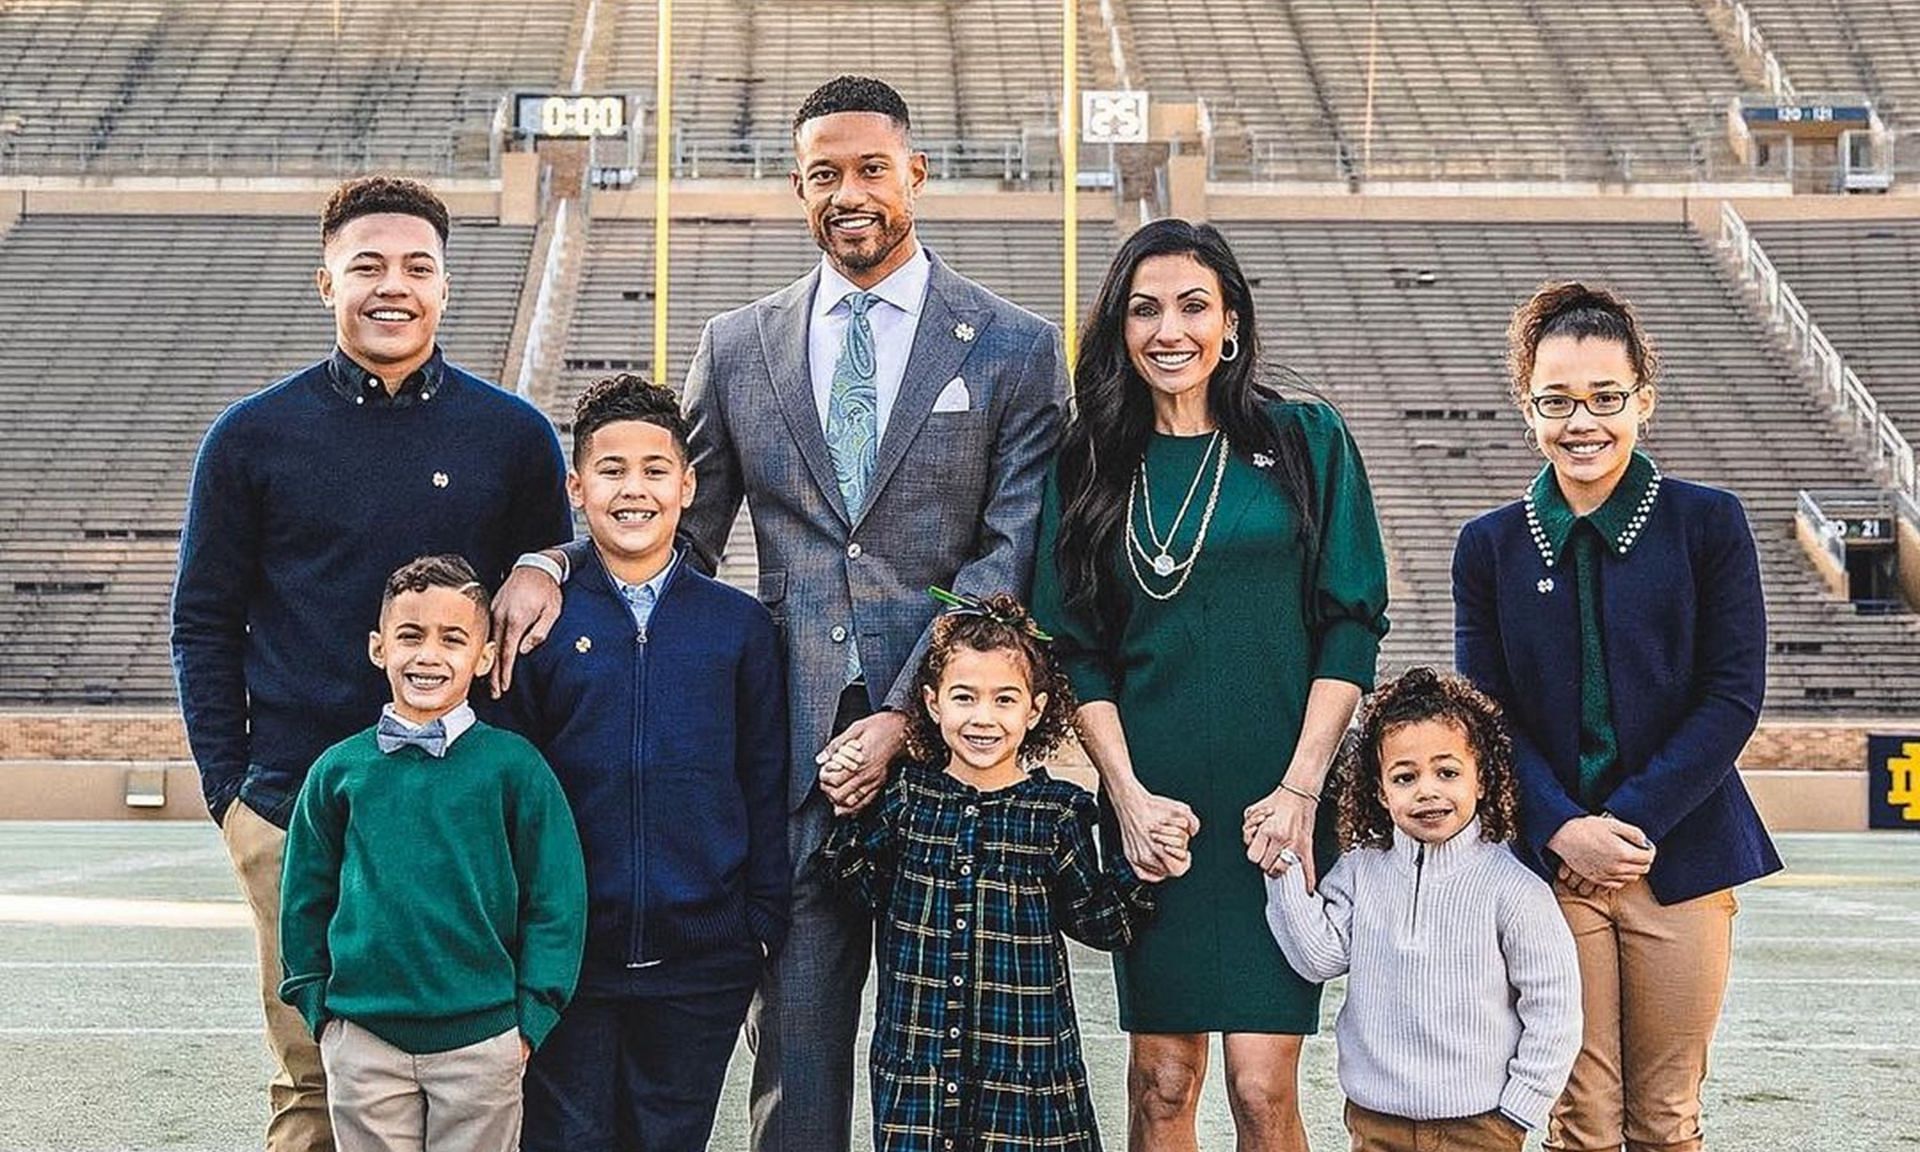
(433, 903)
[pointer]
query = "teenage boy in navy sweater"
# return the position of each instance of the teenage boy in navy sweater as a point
(660, 702)
(305, 497)
(428, 993)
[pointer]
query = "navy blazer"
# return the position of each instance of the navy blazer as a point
(1686, 654)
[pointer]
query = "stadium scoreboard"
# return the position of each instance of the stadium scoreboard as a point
(571, 116)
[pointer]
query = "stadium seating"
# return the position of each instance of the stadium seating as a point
(1403, 326)
(1244, 58)
(1848, 47)
(125, 337)
(1462, 89)
(282, 86)
(1857, 280)
(977, 74)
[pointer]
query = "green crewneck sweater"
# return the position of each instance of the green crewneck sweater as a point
(433, 902)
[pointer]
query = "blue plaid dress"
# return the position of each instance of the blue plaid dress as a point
(976, 1048)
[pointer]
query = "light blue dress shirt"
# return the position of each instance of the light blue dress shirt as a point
(641, 598)
(895, 318)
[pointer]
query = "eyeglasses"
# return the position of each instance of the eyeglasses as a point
(1559, 406)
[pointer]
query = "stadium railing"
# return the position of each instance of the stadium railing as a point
(1473, 158)
(1013, 160)
(202, 156)
(1891, 450)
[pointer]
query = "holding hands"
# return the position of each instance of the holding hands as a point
(1278, 832)
(1154, 831)
(853, 765)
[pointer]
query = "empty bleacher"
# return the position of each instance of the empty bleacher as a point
(125, 337)
(1837, 47)
(1460, 89)
(1403, 325)
(1244, 59)
(1515, 88)
(977, 74)
(1860, 281)
(267, 86)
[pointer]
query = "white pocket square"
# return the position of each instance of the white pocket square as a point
(954, 397)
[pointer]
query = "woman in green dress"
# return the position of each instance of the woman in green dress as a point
(1210, 562)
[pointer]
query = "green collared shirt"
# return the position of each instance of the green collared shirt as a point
(1558, 532)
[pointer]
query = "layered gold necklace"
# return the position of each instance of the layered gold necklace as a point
(1159, 558)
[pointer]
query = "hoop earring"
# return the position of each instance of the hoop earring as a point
(1533, 441)
(1646, 430)
(1233, 340)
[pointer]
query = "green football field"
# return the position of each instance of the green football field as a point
(128, 1017)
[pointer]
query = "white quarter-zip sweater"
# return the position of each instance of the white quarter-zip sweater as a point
(1463, 988)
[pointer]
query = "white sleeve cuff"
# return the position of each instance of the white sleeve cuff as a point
(556, 571)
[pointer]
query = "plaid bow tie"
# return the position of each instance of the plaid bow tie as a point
(392, 735)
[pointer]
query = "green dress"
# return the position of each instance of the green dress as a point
(1212, 689)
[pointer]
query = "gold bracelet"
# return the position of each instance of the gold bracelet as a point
(1310, 797)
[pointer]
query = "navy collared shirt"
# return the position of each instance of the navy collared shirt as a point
(358, 384)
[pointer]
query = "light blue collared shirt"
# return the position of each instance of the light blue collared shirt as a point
(641, 598)
(903, 294)
(455, 722)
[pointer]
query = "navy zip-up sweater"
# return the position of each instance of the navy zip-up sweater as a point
(303, 503)
(1685, 629)
(671, 745)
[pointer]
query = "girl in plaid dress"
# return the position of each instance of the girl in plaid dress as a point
(974, 862)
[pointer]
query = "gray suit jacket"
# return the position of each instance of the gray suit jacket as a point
(955, 497)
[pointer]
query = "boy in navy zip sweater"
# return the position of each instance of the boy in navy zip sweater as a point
(661, 704)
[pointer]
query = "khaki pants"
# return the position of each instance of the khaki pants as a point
(298, 1090)
(1378, 1132)
(387, 1100)
(1652, 979)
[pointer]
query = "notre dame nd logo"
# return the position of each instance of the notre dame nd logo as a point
(1893, 781)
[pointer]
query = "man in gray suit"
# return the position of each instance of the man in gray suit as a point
(889, 424)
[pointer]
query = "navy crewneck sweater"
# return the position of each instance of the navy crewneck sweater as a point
(302, 503)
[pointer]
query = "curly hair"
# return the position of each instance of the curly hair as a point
(1423, 694)
(375, 195)
(627, 397)
(1006, 626)
(1570, 308)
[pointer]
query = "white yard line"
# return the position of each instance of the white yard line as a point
(76, 910)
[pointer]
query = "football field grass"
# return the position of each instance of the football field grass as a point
(128, 1017)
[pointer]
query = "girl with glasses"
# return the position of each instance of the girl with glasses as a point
(1615, 614)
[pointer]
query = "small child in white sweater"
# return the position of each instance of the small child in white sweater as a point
(1462, 1016)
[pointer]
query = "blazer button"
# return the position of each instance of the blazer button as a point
(853, 550)
(838, 635)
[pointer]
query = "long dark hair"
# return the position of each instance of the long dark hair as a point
(1113, 418)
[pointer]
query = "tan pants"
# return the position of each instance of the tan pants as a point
(386, 1100)
(298, 1090)
(1379, 1132)
(1652, 979)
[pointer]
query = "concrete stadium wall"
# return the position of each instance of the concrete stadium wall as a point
(73, 765)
